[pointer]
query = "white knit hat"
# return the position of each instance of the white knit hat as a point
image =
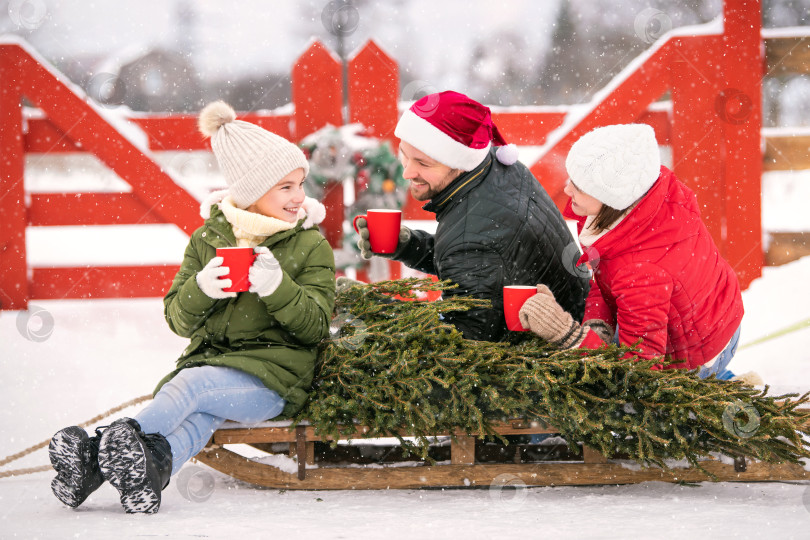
(615, 164)
(252, 159)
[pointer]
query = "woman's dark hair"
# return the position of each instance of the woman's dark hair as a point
(605, 218)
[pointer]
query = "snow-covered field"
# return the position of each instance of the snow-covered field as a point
(63, 362)
(653, 510)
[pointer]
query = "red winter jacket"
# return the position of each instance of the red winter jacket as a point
(659, 275)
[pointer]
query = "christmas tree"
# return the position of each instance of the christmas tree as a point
(394, 365)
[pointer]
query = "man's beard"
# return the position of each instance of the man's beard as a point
(423, 195)
(432, 192)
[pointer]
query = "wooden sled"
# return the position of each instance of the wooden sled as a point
(462, 461)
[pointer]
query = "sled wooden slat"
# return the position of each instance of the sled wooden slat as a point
(273, 434)
(461, 470)
(301, 451)
(462, 449)
(589, 455)
(484, 475)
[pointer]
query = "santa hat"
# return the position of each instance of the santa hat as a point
(615, 164)
(454, 130)
(252, 159)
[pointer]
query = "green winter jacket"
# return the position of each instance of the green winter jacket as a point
(274, 338)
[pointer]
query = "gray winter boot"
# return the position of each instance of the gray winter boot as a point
(74, 457)
(136, 464)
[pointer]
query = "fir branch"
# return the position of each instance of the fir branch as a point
(397, 368)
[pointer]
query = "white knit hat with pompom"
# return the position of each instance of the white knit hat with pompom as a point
(252, 159)
(615, 164)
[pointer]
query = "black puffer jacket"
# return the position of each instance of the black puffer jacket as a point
(497, 226)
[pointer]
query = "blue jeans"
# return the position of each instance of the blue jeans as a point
(718, 368)
(189, 408)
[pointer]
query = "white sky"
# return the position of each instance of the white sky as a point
(430, 36)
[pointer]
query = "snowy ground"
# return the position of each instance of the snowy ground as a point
(235, 511)
(63, 362)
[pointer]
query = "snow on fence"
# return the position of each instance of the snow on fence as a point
(711, 120)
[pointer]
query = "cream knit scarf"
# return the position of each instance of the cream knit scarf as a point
(249, 228)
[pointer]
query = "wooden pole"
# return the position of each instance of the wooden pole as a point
(373, 91)
(739, 105)
(14, 291)
(317, 92)
(697, 137)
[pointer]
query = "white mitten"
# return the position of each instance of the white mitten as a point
(265, 273)
(210, 282)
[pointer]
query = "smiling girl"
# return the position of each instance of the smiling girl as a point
(251, 355)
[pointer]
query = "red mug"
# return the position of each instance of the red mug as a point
(514, 296)
(238, 261)
(383, 228)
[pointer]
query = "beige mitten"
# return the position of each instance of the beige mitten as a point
(365, 245)
(751, 378)
(543, 315)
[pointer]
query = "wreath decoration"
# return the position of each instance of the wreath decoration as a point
(349, 154)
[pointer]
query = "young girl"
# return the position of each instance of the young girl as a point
(657, 275)
(252, 354)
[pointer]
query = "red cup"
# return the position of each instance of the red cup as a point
(238, 261)
(514, 296)
(383, 229)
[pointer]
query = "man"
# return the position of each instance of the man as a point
(496, 224)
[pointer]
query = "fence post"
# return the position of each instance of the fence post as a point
(317, 93)
(317, 90)
(373, 91)
(14, 290)
(373, 98)
(697, 136)
(741, 107)
(374, 102)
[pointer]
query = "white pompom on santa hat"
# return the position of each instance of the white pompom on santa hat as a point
(454, 130)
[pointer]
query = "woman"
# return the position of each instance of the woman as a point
(659, 281)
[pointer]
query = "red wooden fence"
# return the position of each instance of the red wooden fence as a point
(714, 131)
(716, 150)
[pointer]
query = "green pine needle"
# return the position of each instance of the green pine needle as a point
(397, 368)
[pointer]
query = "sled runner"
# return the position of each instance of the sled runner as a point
(461, 460)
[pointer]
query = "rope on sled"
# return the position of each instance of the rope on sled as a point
(102, 416)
